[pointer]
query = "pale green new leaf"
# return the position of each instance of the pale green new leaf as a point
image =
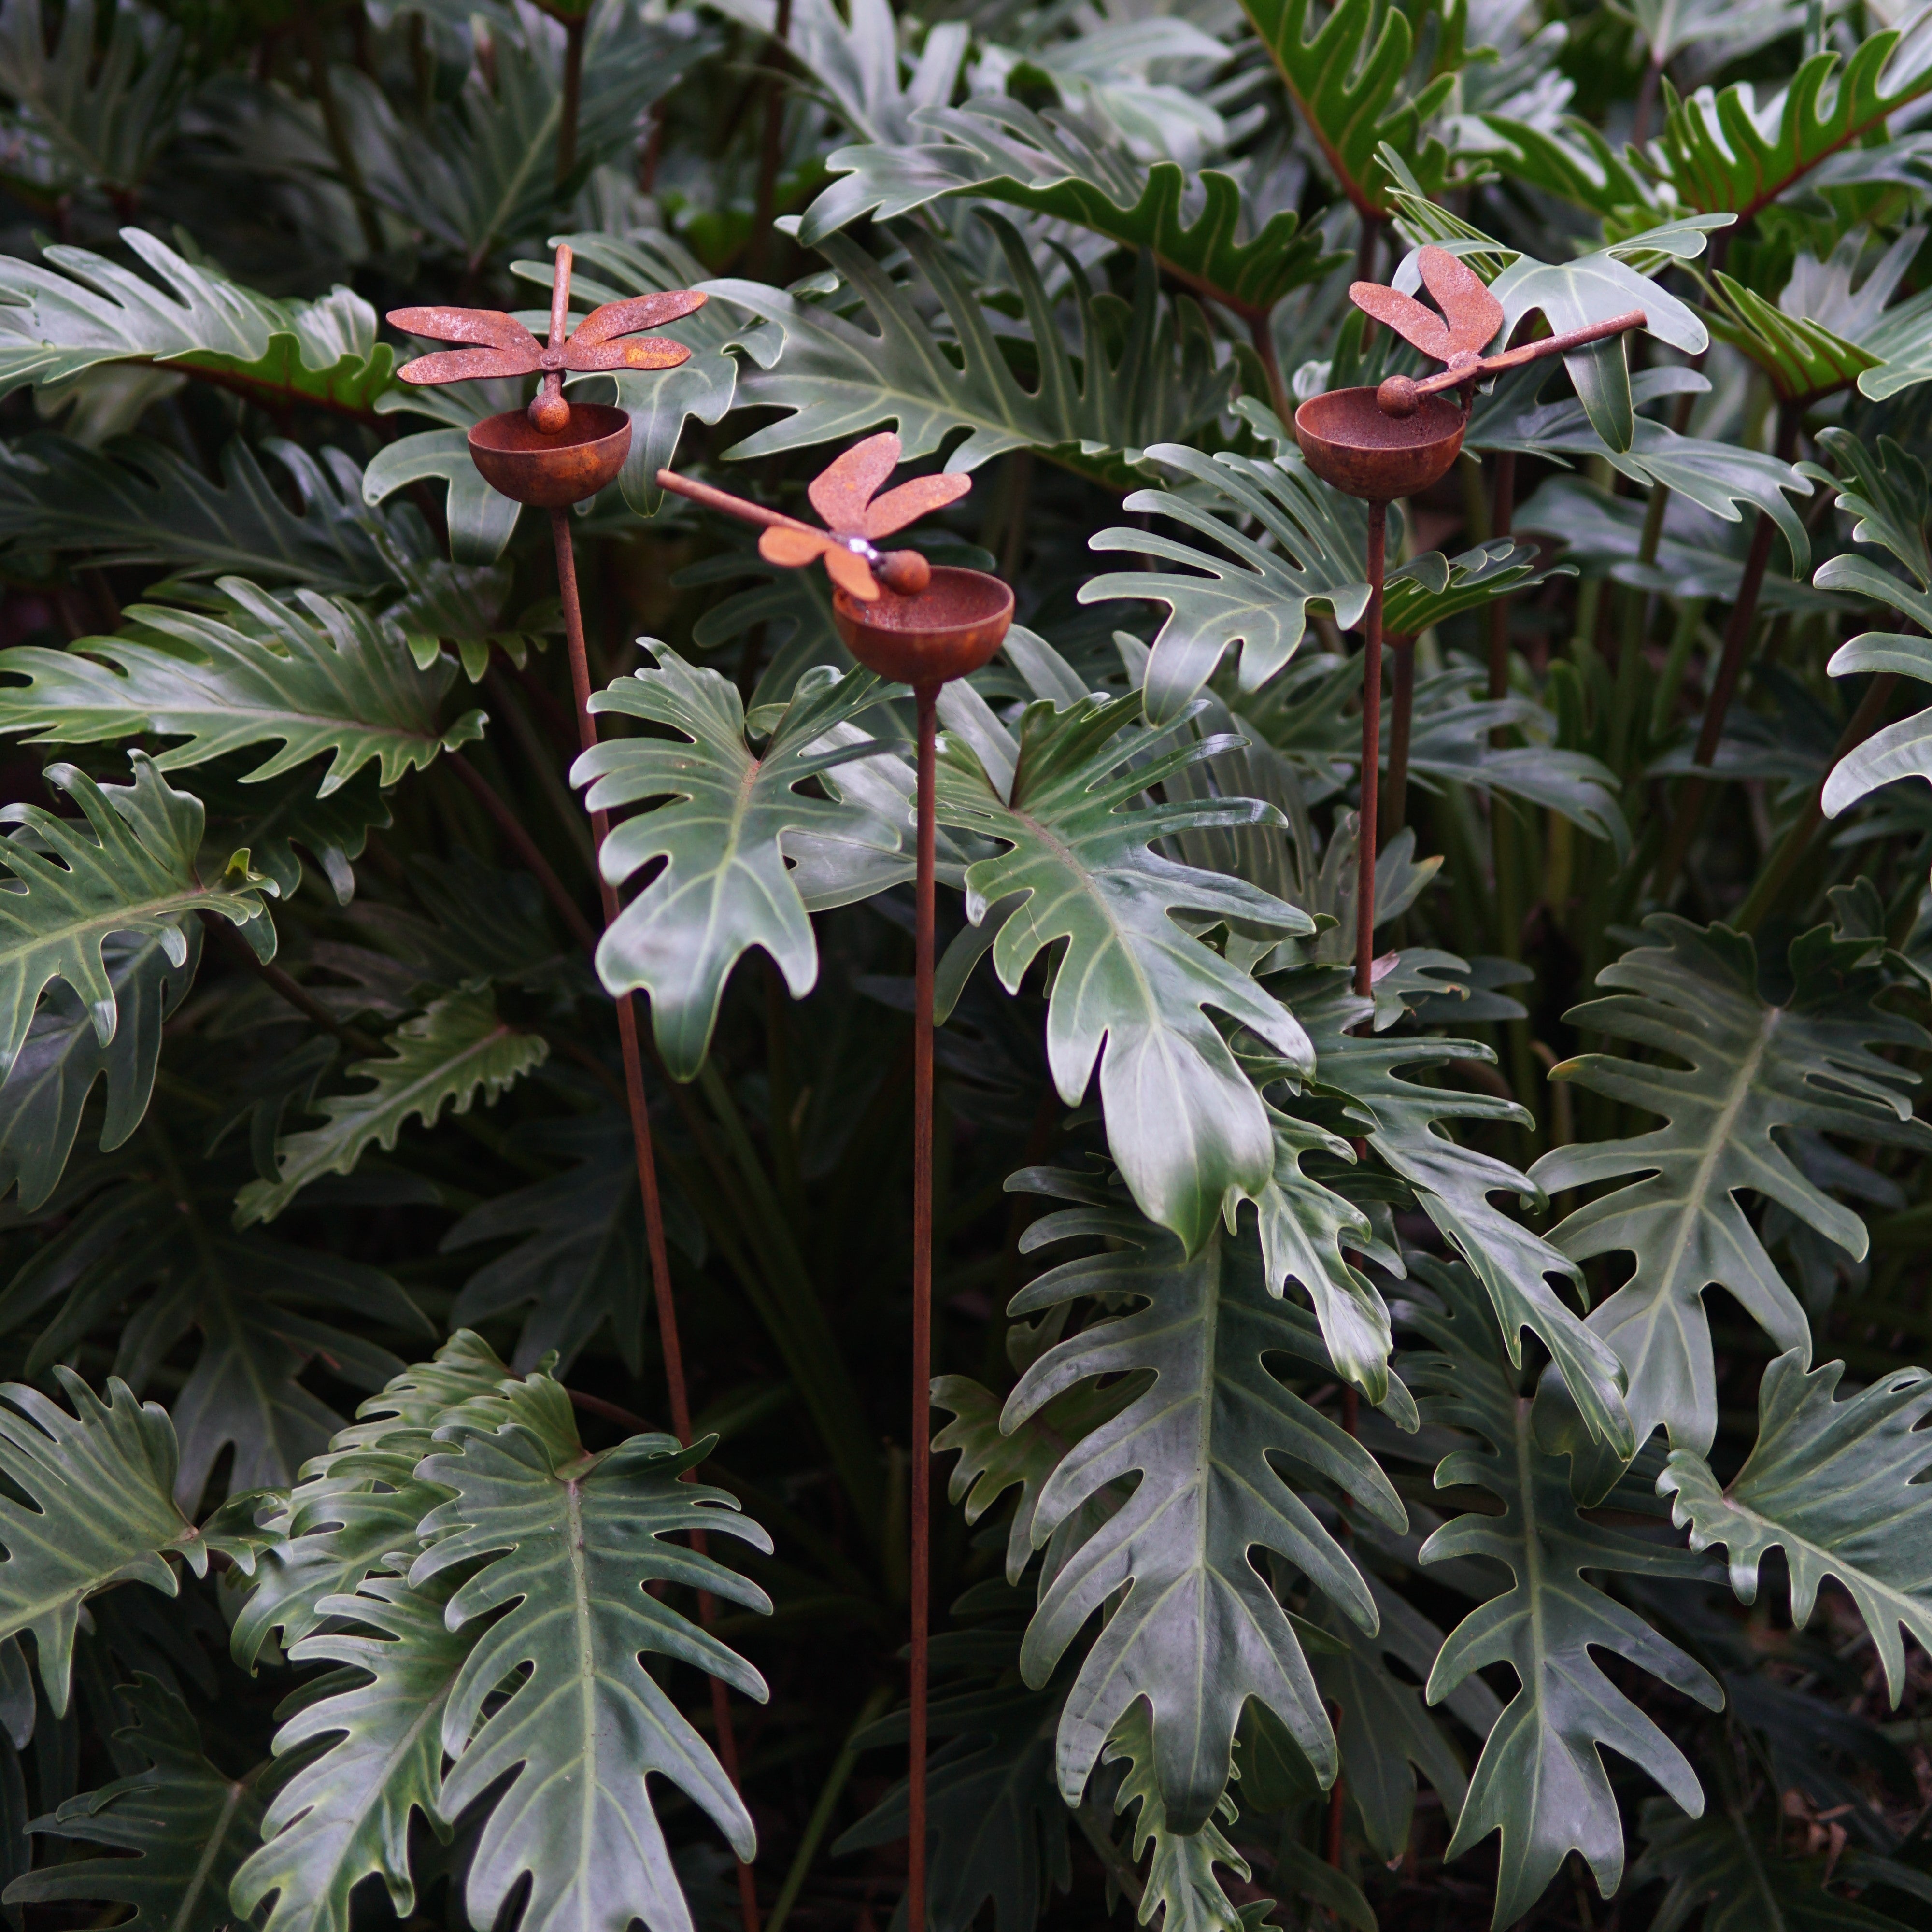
(100, 1509)
(1753, 1073)
(1901, 751)
(1312, 547)
(568, 1541)
(1055, 164)
(54, 325)
(182, 1827)
(319, 677)
(128, 867)
(45, 1094)
(1541, 1782)
(1198, 1631)
(345, 1815)
(1143, 374)
(1835, 1486)
(1133, 986)
(1886, 492)
(456, 1048)
(726, 813)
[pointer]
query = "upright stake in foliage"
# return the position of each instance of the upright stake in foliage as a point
(916, 626)
(552, 456)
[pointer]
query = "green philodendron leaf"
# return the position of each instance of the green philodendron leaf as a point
(361, 1500)
(568, 1542)
(1386, 1733)
(345, 1815)
(1540, 1782)
(721, 828)
(481, 521)
(1804, 359)
(54, 325)
(45, 1094)
(270, 821)
(182, 1826)
(111, 1465)
(581, 1263)
(1054, 164)
(1886, 492)
(136, 501)
(857, 63)
(1197, 1631)
(1257, 596)
(1348, 78)
(458, 1047)
(1180, 1882)
(1753, 1072)
(1901, 751)
(1728, 1866)
(1723, 152)
(1452, 1186)
(319, 678)
(260, 1308)
(129, 869)
(1145, 373)
(1835, 1486)
(997, 1828)
(1133, 988)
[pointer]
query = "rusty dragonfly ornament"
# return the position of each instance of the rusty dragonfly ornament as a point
(845, 494)
(1400, 438)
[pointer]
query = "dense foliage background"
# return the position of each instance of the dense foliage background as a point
(1366, 1509)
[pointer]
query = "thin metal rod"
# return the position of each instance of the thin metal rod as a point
(1372, 754)
(1531, 352)
(573, 95)
(928, 697)
(732, 506)
(647, 1170)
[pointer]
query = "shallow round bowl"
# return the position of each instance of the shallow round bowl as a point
(1350, 443)
(516, 457)
(953, 626)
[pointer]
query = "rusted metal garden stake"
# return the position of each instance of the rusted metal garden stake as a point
(921, 626)
(551, 455)
(1382, 443)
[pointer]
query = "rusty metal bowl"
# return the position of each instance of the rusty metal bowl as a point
(552, 472)
(1351, 442)
(952, 627)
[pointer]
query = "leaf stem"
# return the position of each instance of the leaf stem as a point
(573, 96)
(234, 947)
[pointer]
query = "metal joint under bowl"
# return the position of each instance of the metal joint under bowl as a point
(516, 458)
(1351, 442)
(951, 627)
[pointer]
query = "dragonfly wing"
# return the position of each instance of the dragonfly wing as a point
(841, 490)
(639, 351)
(1474, 314)
(911, 501)
(489, 326)
(780, 544)
(1408, 317)
(464, 365)
(852, 573)
(639, 312)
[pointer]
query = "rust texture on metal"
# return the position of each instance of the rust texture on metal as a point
(845, 494)
(569, 452)
(948, 630)
(1471, 317)
(1350, 442)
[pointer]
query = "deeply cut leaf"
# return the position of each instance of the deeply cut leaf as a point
(1754, 1073)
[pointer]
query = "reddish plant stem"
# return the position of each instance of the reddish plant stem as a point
(573, 95)
(527, 849)
(1371, 749)
(921, 1498)
(647, 1171)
